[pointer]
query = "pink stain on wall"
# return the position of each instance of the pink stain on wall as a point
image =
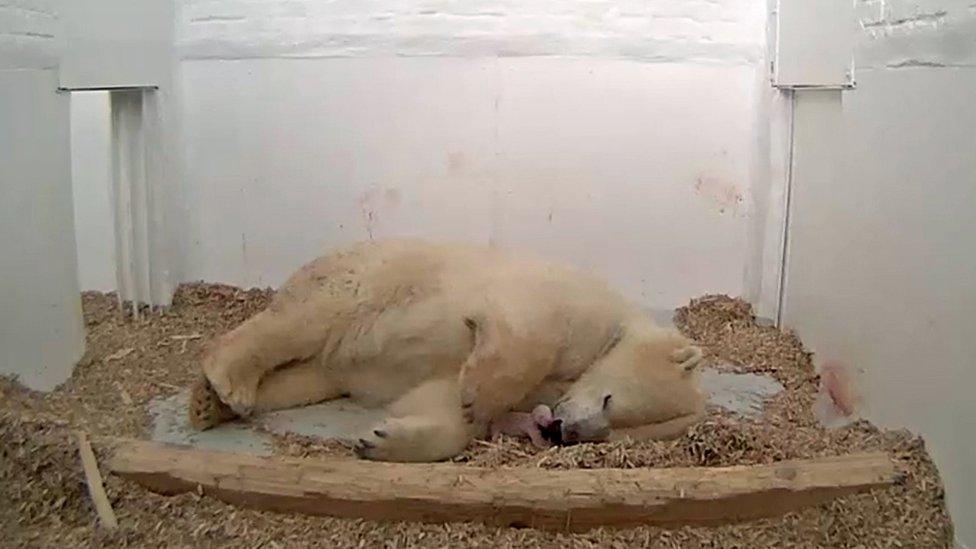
(838, 400)
(456, 163)
(724, 195)
(836, 380)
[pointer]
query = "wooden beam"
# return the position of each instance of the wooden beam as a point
(573, 500)
(93, 478)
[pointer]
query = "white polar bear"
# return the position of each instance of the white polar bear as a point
(446, 338)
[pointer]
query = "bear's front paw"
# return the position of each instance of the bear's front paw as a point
(388, 441)
(206, 410)
(688, 358)
(476, 407)
(236, 388)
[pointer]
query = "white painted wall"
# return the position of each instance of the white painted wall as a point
(41, 331)
(719, 31)
(882, 260)
(117, 43)
(599, 162)
(91, 180)
(29, 35)
(628, 137)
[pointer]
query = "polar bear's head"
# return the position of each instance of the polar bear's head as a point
(645, 375)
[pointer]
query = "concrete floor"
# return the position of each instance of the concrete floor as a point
(340, 419)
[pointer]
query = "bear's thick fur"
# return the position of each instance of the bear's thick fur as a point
(447, 337)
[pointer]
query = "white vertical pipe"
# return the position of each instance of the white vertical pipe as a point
(140, 201)
(125, 158)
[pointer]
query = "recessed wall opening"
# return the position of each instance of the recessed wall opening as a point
(112, 195)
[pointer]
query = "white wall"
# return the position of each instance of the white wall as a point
(41, 331)
(597, 162)
(627, 137)
(29, 35)
(117, 43)
(91, 180)
(882, 259)
(721, 31)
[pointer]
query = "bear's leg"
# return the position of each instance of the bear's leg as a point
(288, 387)
(424, 425)
(237, 361)
(296, 385)
(501, 370)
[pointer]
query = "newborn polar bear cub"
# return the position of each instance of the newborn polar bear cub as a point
(448, 338)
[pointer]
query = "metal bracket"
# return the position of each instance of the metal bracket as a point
(62, 89)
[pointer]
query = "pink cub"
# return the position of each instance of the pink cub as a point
(519, 424)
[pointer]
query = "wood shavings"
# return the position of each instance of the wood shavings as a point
(119, 355)
(184, 339)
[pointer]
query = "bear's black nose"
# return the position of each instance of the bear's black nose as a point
(553, 432)
(570, 435)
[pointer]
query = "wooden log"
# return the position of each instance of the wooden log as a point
(573, 500)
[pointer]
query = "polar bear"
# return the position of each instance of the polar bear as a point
(447, 337)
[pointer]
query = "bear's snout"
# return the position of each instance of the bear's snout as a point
(572, 432)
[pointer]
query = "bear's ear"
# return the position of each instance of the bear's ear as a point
(615, 336)
(478, 324)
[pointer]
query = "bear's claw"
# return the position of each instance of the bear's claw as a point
(206, 409)
(363, 448)
(467, 412)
